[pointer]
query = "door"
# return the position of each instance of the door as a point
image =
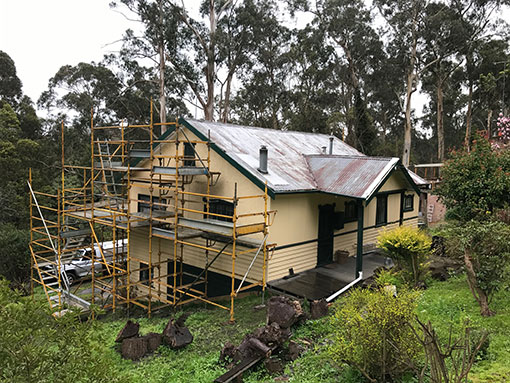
(325, 235)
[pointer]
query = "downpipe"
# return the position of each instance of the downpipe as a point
(345, 288)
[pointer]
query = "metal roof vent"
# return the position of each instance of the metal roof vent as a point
(323, 149)
(331, 138)
(263, 160)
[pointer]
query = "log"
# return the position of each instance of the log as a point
(260, 347)
(283, 311)
(134, 348)
(153, 341)
(130, 330)
(175, 336)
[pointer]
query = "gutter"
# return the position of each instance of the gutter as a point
(345, 288)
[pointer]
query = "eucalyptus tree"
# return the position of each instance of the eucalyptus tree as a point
(348, 29)
(314, 97)
(405, 19)
(479, 21)
(264, 84)
(444, 38)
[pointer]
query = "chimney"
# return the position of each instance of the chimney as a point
(263, 160)
(331, 138)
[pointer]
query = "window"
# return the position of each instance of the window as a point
(144, 274)
(409, 202)
(219, 206)
(381, 215)
(189, 154)
(351, 211)
(144, 207)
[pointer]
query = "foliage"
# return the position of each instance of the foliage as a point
(409, 248)
(387, 278)
(36, 347)
(485, 250)
(476, 182)
(14, 259)
(369, 326)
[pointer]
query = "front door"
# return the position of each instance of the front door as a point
(325, 236)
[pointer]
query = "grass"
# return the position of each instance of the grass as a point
(450, 303)
(445, 304)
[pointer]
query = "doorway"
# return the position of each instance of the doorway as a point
(325, 234)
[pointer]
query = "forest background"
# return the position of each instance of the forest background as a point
(353, 70)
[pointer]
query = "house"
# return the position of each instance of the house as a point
(323, 197)
(210, 209)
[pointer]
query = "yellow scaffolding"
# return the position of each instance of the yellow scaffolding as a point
(103, 206)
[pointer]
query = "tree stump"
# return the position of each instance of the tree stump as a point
(318, 309)
(134, 348)
(130, 330)
(176, 336)
(283, 311)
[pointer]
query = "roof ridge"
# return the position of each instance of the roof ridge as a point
(266, 129)
(362, 157)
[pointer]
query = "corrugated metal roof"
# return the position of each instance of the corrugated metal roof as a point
(417, 179)
(288, 170)
(296, 161)
(354, 176)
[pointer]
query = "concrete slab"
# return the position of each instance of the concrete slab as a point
(323, 281)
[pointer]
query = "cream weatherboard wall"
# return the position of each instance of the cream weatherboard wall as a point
(229, 179)
(296, 221)
(298, 217)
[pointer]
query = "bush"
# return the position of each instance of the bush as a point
(409, 249)
(36, 347)
(475, 183)
(372, 332)
(484, 247)
(15, 258)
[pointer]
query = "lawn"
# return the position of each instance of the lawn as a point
(444, 304)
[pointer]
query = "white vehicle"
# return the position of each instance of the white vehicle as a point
(80, 265)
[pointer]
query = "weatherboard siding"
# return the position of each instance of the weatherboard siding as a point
(297, 221)
(163, 249)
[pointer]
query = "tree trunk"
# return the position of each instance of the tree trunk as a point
(226, 103)
(467, 139)
(440, 126)
(162, 66)
(489, 121)
(411, 76)
(162, 95)
(478, 293)
(209, 107)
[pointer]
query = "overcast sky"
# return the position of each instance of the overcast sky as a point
(42, 35)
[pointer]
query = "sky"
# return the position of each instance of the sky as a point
(42, 35)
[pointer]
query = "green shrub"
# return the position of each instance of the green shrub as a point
(36, 347)
(484, 247)
(475, 183)
(409, 248)
(372, 332)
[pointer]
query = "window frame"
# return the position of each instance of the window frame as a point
(189, 158)
(143, 274)
(379, 204)
(350, 206)
(227, 208)
(144, 204)
(408, 197)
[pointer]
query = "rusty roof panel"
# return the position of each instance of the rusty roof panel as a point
(354, 176)
(288, 169)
